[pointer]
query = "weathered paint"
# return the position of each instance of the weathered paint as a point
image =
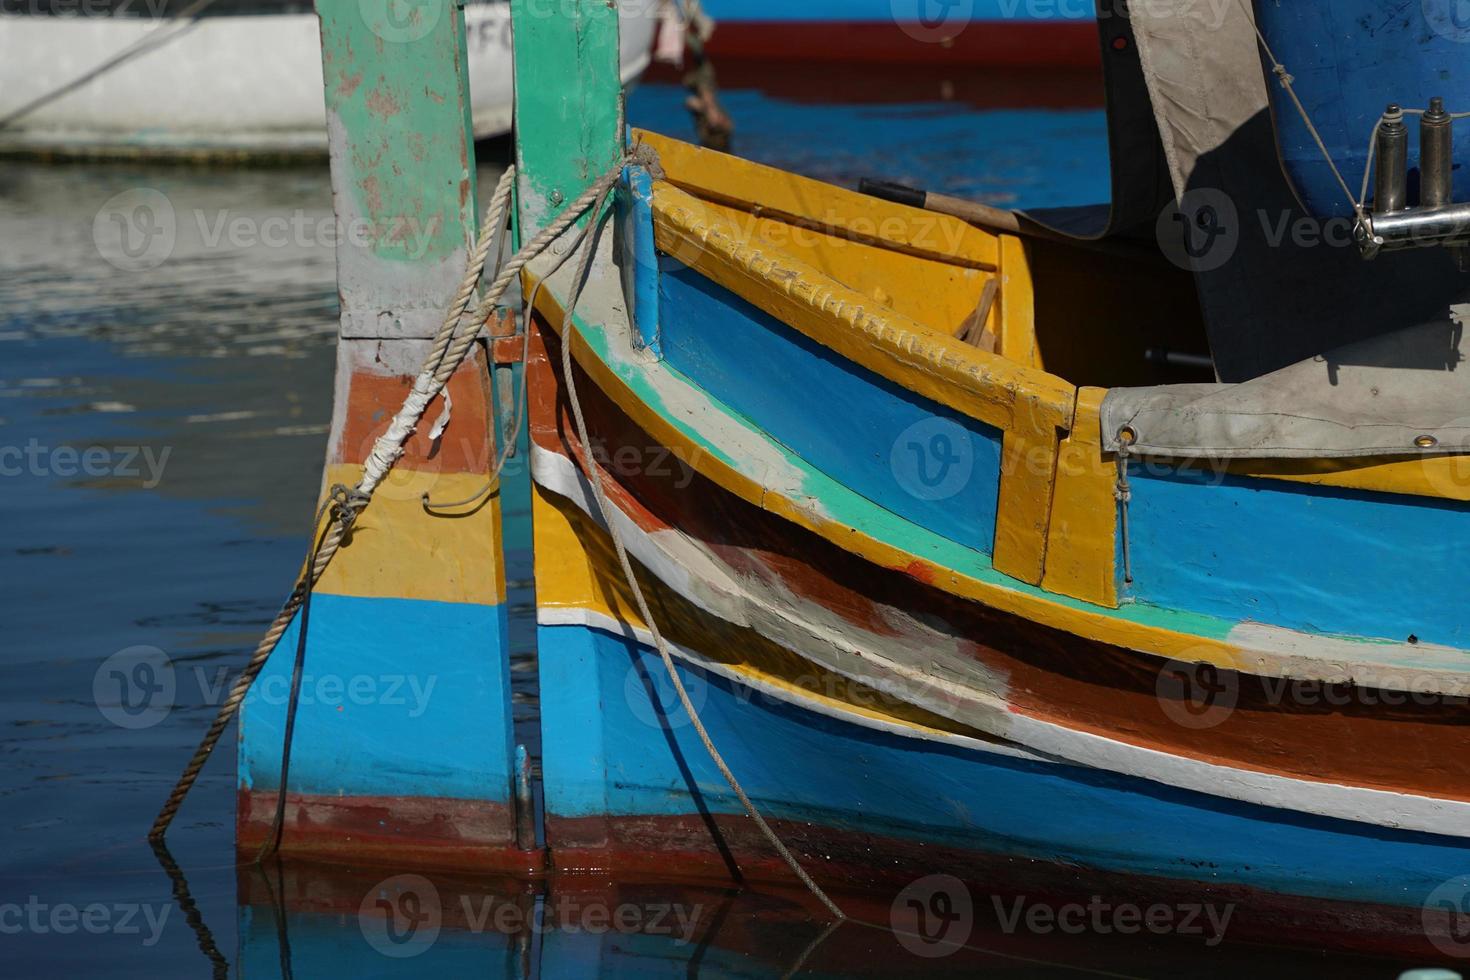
(829, 218)
(731, 453)
(808, 203)
(398, 121)
(938, 292)
(638, 260)
(395, 701)
(1031, 407)
(735, 582)
(407, 678)
(810, 769)
(568, 97)
(1082, 541)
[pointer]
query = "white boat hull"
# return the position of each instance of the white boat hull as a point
(224, 85)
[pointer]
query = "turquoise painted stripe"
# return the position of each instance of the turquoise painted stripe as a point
(917, 459)
(400, 697)
(649, 381)
(847, 11)
(802, 766)
(1315, 559)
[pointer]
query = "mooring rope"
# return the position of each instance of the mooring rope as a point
(568, 331)
(451, 345)
(203, 936)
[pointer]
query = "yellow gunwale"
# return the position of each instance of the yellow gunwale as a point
(784, 196)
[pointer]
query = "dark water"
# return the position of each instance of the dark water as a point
(164, 433)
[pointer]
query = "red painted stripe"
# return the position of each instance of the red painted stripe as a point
(400, 831)
(687, 862)
(1052, 44)
(973, 86)
(873, 867)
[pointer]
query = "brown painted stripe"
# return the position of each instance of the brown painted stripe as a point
(408, 832)
(374, 397)
(1421, 747)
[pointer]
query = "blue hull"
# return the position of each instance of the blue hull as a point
(807, 769)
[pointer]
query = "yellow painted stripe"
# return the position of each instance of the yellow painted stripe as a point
(400, 551)
(1447, 477)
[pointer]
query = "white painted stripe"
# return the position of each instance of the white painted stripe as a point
(1039, 738)
(592, 619)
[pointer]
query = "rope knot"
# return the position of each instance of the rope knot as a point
(645, 156)
(347, 503)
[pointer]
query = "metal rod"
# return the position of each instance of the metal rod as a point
(1421, 227)
(525, 805)
(1174, 358)
(1391, 191)
(1436, 156)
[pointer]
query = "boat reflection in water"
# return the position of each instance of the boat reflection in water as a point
(305, 920)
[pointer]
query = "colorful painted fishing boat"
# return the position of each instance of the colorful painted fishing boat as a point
(1009, 33)
(926, 632)
(964, 569)
(227, 77)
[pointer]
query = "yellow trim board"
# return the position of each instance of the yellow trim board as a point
(933, 292)
(788, 197)
(1081, 557)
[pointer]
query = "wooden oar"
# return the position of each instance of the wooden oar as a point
(998, 219)
(972, 211)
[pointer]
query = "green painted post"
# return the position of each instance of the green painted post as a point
(568, 102)
(403, 160)
(568, 118)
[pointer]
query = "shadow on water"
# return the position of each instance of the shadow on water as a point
(170, 411)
